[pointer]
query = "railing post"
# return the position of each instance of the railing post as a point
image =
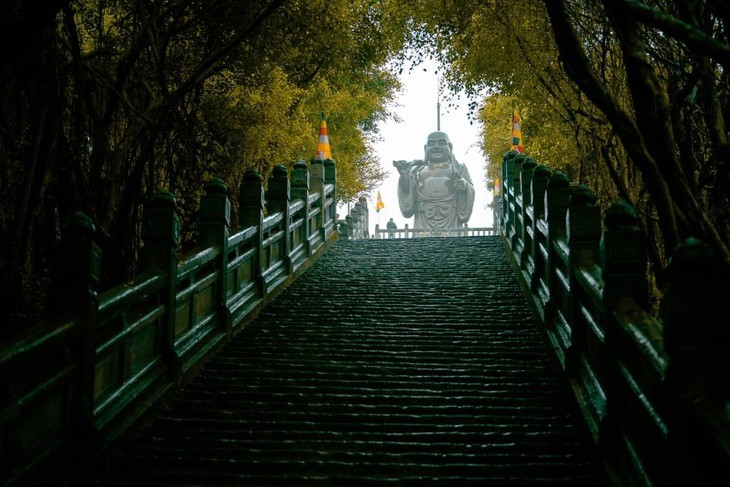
(214, 225)
(540, 177)
(696, 339)
(251, 214)
(330, 177)
(557, 198)
(584, 234)
(625, 289)
(528, 213)
(556, 202)
(75, 275)
(405, 231)
(516, 202)
(251, 200)
(693, 310)
(556, 205)
(583, 223)
(161, 237)
(316, 181)
(300, 191)
(623, 259)
(279, 196)
(508, 174)
(350, 226)
(538, 186)
(356, 221)
(344, 229)
(497, 204)
(365, 215)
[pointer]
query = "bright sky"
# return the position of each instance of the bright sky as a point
(416, 108)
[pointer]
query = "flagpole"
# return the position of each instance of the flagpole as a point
(438, 104)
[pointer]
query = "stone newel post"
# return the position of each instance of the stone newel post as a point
(508, 176)
(583, 223)
(516, 186)
(697, 338)
(330, 177)
(316, 179)
(251, 214)
(526, 176)
(75, 271)
(279, 195)
(300, 191)
(540, 178)
(215, 214)
(623, 259)
(349, 222)
(251, 199)
(161, 236)
(214, 224)
(697, 341)
(279, 190)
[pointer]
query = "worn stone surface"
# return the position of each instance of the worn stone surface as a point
(389, 360)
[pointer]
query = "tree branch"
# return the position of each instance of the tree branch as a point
(680, 30)
(578, 67)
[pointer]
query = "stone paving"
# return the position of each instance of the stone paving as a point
(389, 361)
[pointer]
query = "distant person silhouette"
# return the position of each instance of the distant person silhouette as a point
(391, 228)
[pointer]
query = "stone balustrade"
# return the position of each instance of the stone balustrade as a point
(654, 391)
(103, 360)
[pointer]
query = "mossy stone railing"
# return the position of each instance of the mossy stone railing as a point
(654, 392)
(356, 224)
(73, 384)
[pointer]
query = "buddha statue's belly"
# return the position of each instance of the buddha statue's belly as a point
(436, 182)
(437, 187)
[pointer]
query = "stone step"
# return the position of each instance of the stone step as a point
(417, 361)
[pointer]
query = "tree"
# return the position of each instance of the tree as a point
(106, 101)
(673, 130)
(636, 106)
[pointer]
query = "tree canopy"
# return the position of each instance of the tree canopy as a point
(630, 97)
(105, 101)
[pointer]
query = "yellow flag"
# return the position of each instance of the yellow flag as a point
(379, 203)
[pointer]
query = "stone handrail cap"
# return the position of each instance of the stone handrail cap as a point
(621, 214)
(216, 186)
(79, 224)
(541, 172)
(252, 176)
(163, 199)
(692, 256)
(509, 155)
(583, 196)
(280, 171)
(558, 180)
(529, 163)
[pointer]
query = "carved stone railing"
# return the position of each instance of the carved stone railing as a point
(654, 392)
(406, 232)
(78, 381)
(356, 224)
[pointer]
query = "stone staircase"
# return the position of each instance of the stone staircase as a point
(389, 361)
